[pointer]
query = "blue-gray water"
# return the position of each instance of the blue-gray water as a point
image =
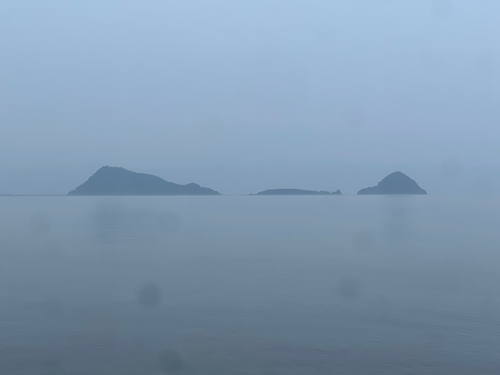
(249, 285)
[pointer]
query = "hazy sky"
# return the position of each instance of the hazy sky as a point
(238, 94)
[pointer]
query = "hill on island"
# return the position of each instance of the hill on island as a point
(119, 181)
(395, 183)
(296, 192)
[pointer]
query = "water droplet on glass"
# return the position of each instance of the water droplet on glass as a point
(170, 361)
(52, 366)
(349, 287)
(149, 296)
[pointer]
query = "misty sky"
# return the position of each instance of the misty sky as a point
(244, 95)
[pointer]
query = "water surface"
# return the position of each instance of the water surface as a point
(254, 285)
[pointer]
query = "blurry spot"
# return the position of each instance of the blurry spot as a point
(487, 63)
(451, 169)
(170, 361)
(149, 296)
(442, 8)
(354, 118)
(363, 240)
(104, 328)
(349, 287)
(39, 225)
(52, 366)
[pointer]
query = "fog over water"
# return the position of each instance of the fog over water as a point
(251, 284)
(240, 97)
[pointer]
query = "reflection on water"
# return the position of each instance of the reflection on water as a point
(113, 222)
(397, 223)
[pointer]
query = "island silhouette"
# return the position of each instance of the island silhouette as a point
(120, 181)
(395, 183)
(296, 192)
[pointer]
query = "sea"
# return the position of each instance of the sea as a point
(249, 285)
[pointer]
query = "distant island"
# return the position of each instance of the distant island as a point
(395, 183)
(119, 181)
(296, 192)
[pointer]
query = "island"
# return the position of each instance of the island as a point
(296, 192)
(120, 181)
(395, 183)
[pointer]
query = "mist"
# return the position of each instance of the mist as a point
(213, 92)
(288, 109)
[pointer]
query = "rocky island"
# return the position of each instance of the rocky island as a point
(296, 192)
(119, 181)
(395, 183)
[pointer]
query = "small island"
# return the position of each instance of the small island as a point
(395, 183)
(119, 181)
(296, 192)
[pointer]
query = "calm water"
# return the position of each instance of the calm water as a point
(249, 285)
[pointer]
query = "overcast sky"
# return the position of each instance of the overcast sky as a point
(241, 95)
